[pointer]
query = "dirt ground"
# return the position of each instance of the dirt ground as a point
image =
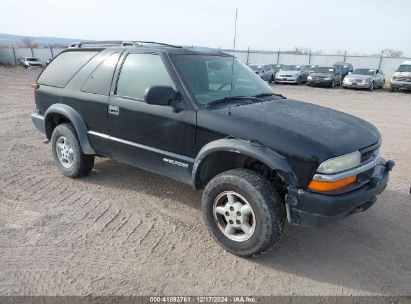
(124, 231)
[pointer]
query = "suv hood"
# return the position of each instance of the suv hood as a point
(293, 128)
(402, 74)
(292, 73)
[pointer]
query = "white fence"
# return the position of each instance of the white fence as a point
(387, 64)
(14, 55)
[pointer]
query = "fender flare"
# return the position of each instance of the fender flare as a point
(247, 148)
(77, 122)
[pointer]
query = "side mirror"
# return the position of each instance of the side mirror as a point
(160, 95)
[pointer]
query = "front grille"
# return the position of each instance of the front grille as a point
(286, 75)
(368, 152)
(399, 78)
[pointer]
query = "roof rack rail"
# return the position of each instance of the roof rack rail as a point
(159, 43)
(107, 43)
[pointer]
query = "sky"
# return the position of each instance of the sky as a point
(359, 26)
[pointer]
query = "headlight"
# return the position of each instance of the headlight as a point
(367, 80)
(309, 78)
(340, 163)
(346, 79)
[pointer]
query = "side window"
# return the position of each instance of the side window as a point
(100, 80)
(59, 72)
(139, 72)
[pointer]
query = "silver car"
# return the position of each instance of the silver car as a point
(364, 79)
(265, 71)
(28, 62)
(292, 74)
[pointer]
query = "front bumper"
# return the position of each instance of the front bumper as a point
(400, 84)
(319, 82)
(357, 85)
(280, 79)
(312, 209)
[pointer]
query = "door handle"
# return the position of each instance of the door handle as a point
(113, 110)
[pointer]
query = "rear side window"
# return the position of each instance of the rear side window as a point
(63, 68)
(100, 80)
(139, 72)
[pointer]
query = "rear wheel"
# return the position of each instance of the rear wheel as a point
(70, 160)
(243, 212)
(392, 89)
(271, 79)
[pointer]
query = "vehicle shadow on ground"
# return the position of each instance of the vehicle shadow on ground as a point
(112, 174)
(344, 253)
(368, 251)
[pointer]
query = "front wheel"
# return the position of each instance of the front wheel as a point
(371, 87)
(243, 212)
(71, 161)
(332, 84)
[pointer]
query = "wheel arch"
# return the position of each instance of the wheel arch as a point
(229, 153)
(61, 113)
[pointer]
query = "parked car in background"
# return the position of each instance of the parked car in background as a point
(310, 68)
(401, 79)
(365, 79)
(343, 68)
(264, 71)
(28, 62)
(276, 68)
(324, 76)
(292, 74)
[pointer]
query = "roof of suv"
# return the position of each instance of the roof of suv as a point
(155, 46)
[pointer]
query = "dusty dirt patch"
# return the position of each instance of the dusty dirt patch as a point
(124, 231)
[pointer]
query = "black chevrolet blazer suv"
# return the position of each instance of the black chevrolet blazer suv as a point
(203, 118)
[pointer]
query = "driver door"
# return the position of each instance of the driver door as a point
(153, 137)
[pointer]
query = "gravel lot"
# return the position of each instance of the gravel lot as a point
(125, 231)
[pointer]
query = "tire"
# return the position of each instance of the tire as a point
(299, 81)
(72, 164)
(392, 89)
(382, 84)
(332, 84)
(271, 79)
(266, 218)
(371, 87)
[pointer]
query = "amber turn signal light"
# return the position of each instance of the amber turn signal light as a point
(326, 186)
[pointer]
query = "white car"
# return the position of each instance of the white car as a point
(401, 79)
(28, 62)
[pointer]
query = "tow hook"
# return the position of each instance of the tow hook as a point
(389, 164)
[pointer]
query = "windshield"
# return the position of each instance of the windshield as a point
(364, 71)
(310, 68)
(404, 68)
(291, 67)
(325, 70)
(209, 77)
(32, 59)
(255, 67)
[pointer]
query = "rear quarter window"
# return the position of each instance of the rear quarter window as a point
(64, 67)
(99, 81)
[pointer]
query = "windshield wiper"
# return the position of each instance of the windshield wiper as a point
(233, 98)
(269, 94)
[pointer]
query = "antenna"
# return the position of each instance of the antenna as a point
(232, 65)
